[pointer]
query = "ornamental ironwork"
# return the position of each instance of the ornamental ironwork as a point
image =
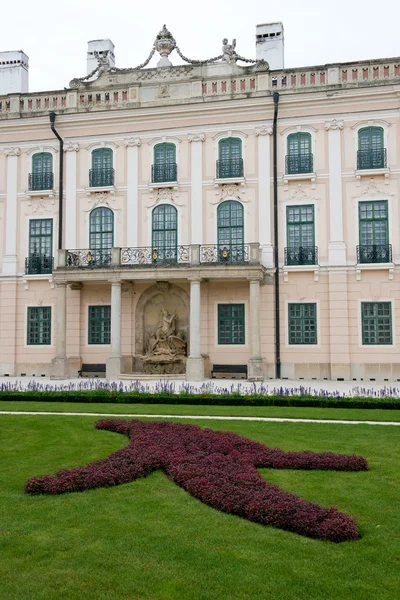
(101, 177)
(299, 163)
(230, 167)
(374, 253)
(155, 256)
(88, 258)
(40, 181)
(38, 265)
(164, 173)
(372, 159)
(303, 255)
(224, 254)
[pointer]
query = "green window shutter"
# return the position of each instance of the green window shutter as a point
(300, 226)
(42, 163)
(231, 326)
(230, 149)
(230, 225)
(371, 151)
(39, 326)
(374, 232)
(101, 229)
(376, 323)
(99, 325)
(370, 138)
(40, 259)
(302, 323)
(164, 154)
(299, 144)
(164, 233)
(230, 163)
(299, 157)
(102, 158)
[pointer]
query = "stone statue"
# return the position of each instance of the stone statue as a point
(166, 348)
(228, 51)
(103, 62)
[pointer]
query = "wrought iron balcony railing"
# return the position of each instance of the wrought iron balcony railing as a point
(224, 253)
(229, 168)
(164, 173)
(299, 163)
(38, 265)
(155, 256)
(372, 159)
(88, 258)
(40, 181)
(303, 255)
(374, 253)
(101, 177)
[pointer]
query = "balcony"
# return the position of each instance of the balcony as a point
(38, 265)
(303, 255)
(299, 164)
(90, 259)
(40, 181)
(164, 173)
(155, 257)
(372, 159)
(225, 254)
(374, 253)
(231, 168)
(101, 178)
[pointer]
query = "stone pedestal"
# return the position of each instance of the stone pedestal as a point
(255, 366)
(113, 367)
(195, 369)
(255, 369)
(113, 363)
(195, 362)
(59, 368)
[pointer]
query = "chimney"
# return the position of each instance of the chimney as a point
(14, 72)
(100, 46)
(270, 44)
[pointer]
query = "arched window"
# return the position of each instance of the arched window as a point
(164, 233)
(164, 168)
(230, 232)
(230, 161)
(102, 173)
(299, 157)
(41, 177)
(101, 236)
(371, 151)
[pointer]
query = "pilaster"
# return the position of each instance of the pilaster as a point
(255, 364)
(113, 366)
(196, 187)
(59, 364)
(71, 149)
(337, 246)
(339, 325)
(195, 362)
(10, 257)
(132, 214)
(264, 195)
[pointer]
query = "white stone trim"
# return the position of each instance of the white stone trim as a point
(10, 250)
(337, 247)
(196, 204)
(132, 195)
(39, 149)
(70, 198)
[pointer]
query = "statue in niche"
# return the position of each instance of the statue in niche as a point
(166, 348)
(228, 51)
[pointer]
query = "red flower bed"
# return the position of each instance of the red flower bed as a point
(218, 468)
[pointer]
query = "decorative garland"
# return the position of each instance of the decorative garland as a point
(218, 468)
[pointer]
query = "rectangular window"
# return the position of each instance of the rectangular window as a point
(99, 325)
(39, 326)
(303, 323)
(374, 233)
(376, 323)
(40, 258)
(300, 235)
(231, 324)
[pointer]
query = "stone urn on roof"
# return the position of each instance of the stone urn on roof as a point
(164, 44)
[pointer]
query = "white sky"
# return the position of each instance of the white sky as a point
(55, 35)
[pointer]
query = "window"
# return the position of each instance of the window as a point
(40, 258)
(39, 326)
(300, 235)
(302, 323)
(376, 323)
(164, 233)
(99, 325)
(230, 323)
(102, 173)
(299, 158)
(164, 168)
(371, 153)
(41, 177)
(101, 236)
(374, 232)
(230, 163)
(230, 232)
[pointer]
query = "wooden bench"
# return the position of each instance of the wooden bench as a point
(98, 370)
(229, 372)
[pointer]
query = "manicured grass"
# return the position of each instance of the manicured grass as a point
(288, 412)
(150, 540)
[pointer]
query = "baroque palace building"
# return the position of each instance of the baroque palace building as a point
(226, 215)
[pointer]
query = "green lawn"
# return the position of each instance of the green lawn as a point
(289, 412)
(149, 540)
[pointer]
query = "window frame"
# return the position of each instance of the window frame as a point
(298, 136)
(222, 245)
(102, 320)
(375, 317)
(302, 318)
(172, 249)
(38, 321)
(231, 319)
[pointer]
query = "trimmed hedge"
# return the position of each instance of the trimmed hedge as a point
(228, 399)
(218, 468)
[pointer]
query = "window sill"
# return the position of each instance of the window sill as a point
(300, 269)
(102, 189)
(374, 267)
(39, 277)
(299, 177)
(163, 184)
(230, 181)
(371, 173)
(39, 193)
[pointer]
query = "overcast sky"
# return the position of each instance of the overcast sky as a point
(55, 35)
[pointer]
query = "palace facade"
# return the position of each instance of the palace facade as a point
(255, 207)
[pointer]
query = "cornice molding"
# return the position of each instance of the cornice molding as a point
(371, 123)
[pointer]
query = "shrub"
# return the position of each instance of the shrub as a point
(218, 468)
